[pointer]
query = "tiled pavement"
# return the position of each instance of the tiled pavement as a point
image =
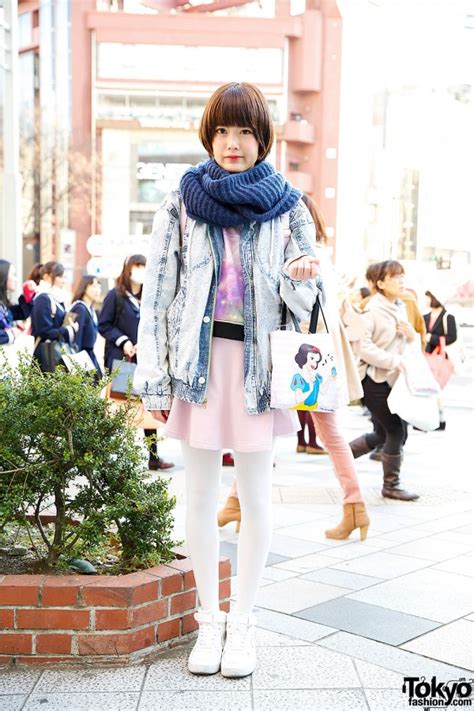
(340, 622)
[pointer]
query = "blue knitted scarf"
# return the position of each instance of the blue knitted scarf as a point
(213, 195)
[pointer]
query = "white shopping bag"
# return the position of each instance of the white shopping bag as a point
(81, 359)
(304, 374)
(22, 347)
(419, 410)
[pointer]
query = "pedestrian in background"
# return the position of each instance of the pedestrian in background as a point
(32, 282)
(386, 335)
(86, 295)
(118, 324)
(211, 298)
(439, 325)
(48, 314)
(12, 315)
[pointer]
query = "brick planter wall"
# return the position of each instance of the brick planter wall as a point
(51, 618)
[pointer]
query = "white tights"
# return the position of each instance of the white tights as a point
(254, 480)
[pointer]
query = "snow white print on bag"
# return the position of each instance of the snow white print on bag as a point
(304, 374)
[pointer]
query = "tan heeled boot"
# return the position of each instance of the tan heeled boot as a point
(230, 512)
(354, 516)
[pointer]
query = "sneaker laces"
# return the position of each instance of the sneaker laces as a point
(209, 636)
(237, 634)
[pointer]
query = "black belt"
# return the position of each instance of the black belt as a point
(231, 331)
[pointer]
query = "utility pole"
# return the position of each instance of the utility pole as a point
(11, 240)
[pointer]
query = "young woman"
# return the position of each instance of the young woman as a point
(31, 284)
(85, 296)
(438, 324)
(11, 315)
(118, 324)
(326, 424)
(386, 335)
(212, 295)
(48, 312)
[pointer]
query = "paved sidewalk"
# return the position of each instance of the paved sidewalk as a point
(340, 622)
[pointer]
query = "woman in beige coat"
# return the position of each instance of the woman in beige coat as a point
(327, 426)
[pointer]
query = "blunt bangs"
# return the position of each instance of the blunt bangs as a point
(238, 104)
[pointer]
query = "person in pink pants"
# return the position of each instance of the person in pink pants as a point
(327, 427)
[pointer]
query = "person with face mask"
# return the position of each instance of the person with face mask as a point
(48, 312)
(118, 324)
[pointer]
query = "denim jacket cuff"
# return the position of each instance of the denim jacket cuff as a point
(157, 402)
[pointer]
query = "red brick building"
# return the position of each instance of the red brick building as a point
(113, 91)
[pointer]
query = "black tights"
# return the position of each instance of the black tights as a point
(389, 429)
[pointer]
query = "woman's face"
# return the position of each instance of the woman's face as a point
(392, 286)
(235, 148)
(11, 278)
(59, 281)
(93, 290)
(312, 361)
(137, 274)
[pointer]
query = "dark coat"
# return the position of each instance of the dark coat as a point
(438, 330)
(47, 318)
(118, 323)
(88, 328)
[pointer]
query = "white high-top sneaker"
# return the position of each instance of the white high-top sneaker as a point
(239, 657)
(205, 657)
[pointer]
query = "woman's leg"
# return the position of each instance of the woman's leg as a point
(302, 418)
(329, 432)
(375, 396)
(254, 480)
(154, 461)
(203, 476)
(311, 431)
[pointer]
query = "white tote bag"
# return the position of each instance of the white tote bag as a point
(81, 360)
(419, 410)
(304, 375)
(22, 347)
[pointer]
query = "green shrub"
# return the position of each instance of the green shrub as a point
(65, 449)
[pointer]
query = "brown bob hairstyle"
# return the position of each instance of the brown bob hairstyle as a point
(388, 268)
(238, 104)
(123, 283)
(434, 302)
(372, 272)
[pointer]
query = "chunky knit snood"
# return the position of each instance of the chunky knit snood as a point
(213, 195)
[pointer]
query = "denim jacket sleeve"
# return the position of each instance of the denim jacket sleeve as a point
(152, 379)
(299, 296)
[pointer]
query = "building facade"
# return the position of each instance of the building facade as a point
(112, 92)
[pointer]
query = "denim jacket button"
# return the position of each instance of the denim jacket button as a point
(201, 380)
(206, 319)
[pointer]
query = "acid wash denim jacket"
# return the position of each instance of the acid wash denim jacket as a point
(179, 294)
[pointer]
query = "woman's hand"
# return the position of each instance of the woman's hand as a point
(303, 268)
(129, 349)
(406, 330)
(160, 415)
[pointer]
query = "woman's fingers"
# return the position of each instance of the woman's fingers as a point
(304, 268)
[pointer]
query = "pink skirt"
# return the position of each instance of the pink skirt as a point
(223, 422)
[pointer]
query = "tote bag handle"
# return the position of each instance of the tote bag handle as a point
(313, 324)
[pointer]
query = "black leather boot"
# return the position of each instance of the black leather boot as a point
(391, 479)
(360, 446)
